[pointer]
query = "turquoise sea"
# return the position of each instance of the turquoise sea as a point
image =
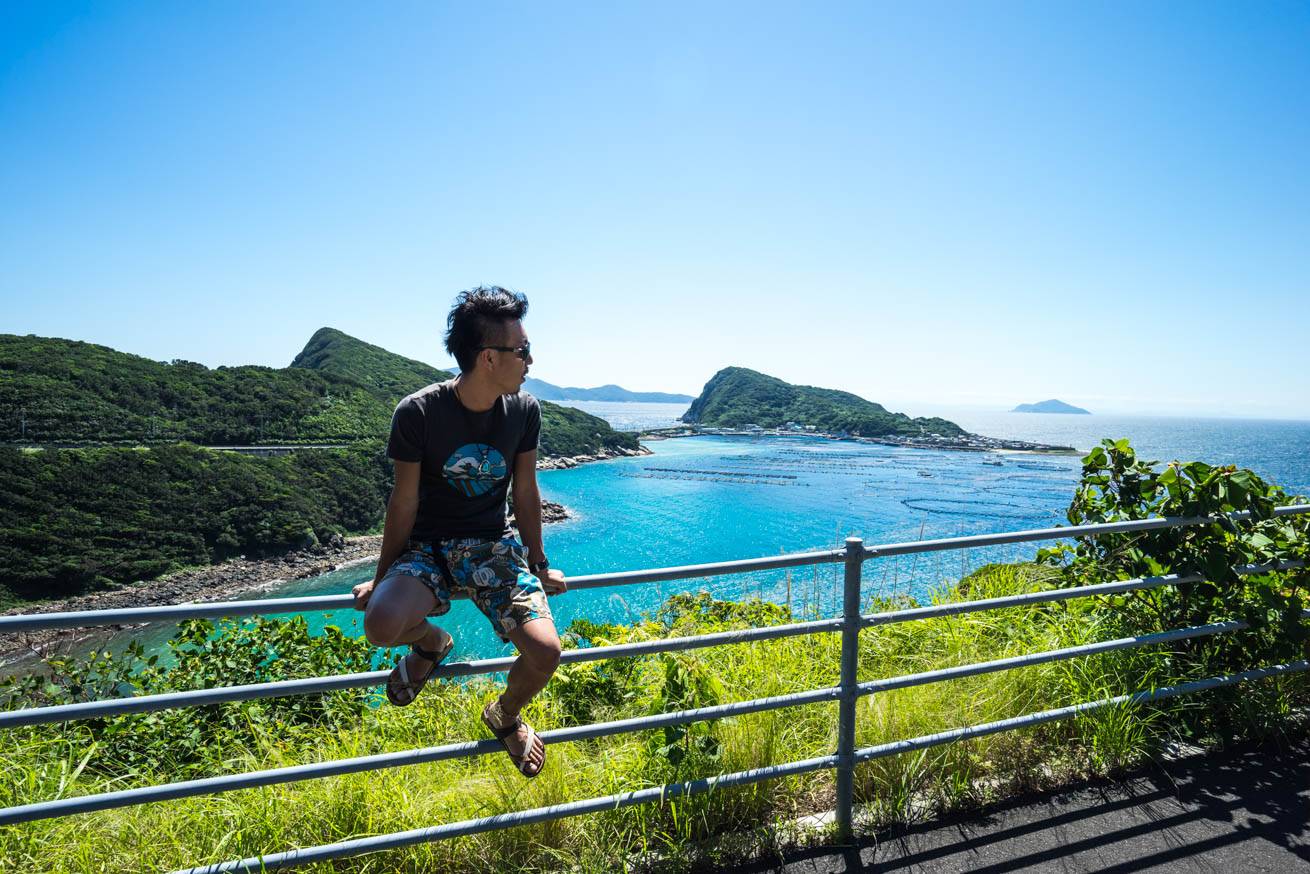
(716, 498)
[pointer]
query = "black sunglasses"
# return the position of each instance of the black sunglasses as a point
(524, 351)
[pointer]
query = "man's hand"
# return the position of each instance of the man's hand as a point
(362, 593)
(553, 581)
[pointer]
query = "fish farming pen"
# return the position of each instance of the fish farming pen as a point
(846, 694)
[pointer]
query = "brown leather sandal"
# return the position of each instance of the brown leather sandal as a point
(504, 732)
(401, 688)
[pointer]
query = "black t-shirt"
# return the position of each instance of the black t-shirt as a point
(467, 458)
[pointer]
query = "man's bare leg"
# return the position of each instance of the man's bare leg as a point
(539, 652)
(397, 615)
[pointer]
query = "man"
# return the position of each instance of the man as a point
(459, 447)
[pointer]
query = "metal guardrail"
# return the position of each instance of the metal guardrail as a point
(845, 694)
(318, 685)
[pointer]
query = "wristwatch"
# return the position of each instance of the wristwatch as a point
(538, 566)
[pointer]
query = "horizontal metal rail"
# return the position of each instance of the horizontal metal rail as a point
(1146, 697)
(360, 846)
(397, 840)
(297, 773)
(86, 618)
(319, 685)
(173, 613)
(463, 749)
(269, 606)
(955, 608)
(907, 681)
(713, 569)
(974, 541)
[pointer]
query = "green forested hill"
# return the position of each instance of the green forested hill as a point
(736, 396)
(386, 374)
(564, 430)
(339, 390)
(65, 391)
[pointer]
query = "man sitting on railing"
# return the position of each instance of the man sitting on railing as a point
(446, 529)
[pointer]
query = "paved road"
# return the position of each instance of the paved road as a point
(1233, 814)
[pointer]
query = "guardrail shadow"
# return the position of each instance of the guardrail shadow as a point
(1234, 812)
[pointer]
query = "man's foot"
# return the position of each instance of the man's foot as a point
(415, 668)
(525, 748)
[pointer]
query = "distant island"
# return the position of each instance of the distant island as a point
(545, 391)
(1051, 406)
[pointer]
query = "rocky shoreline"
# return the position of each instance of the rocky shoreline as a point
(238, 578)
(565, 462)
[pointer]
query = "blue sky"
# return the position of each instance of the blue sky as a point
(960, 203)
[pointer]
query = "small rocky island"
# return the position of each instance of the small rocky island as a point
(1051, 406)
(737, 401)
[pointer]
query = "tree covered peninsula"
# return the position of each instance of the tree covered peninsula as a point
(736, 397)
(130, 496)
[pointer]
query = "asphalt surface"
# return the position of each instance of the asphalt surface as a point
(1234, 813)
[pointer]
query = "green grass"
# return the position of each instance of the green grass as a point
(53, 761)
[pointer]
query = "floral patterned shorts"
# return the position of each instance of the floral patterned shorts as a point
(493, 573)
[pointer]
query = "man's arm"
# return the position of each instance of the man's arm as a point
(402, 508)
(527, 504)
(527, 510)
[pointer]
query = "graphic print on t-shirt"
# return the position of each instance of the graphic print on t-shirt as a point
(475, 468)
